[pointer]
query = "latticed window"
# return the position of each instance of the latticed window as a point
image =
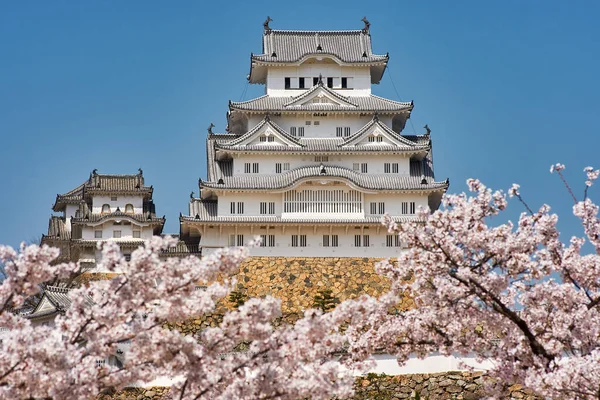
(323, 201)
(322, 158)
(267, 208)
(330, 240)
(267, 241)
(408, 207)
(129, 208)
(247, 168)
(363, 168)
(392, 241)
(255, 168)
(298, 240)
(278, 168)
(105, 209)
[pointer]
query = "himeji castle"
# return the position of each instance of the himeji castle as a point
(313, 164)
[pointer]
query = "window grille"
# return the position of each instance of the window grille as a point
(325, 240)
(116, 234)
(363, 168)
(271, 240)
(395, 168)
(339, 131)
(240, 240)
(263, 139)
(137, 234)
(366, 241)
(98, 234)
(373, 208)
(247, 168)
(357, 240)
(271, 139)
(412, 207)
(321, 158)
(272, 208)
(392, 241)
(346, 131)
(381, 208)
(301, 131)
(323, 201)
(232, 207)
(298, 240)
(334, 240)
(317, 123)
(356, 166)
(263, 207)
(255, 168)
(307, 122)
(277, 168)
(404, 207)
(386, 168)
(286, 166)
(240, 207)
(113, 198)
(293, 131)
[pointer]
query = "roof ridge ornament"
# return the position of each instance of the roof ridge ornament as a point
(266, 24)
(427, 129)
(367, 24)
(209, 129)
(320, 81)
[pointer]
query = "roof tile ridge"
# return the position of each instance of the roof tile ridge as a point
(320, 32)
(390, 100)
(249, 101)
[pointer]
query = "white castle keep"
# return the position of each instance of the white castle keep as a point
(313, 164)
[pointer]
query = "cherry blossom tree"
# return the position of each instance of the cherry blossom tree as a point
(60, 361)
(509, 293)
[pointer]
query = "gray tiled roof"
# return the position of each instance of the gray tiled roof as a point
(369, 103)
(312, 145)
(57, 229)
(121, 242)
(60, 300)
(365, 181)
(103, 183)
(291, 46)
(265, 121)
(183, 248)
(144, 218)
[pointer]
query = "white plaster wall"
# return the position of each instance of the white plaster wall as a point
(99, 201)
(108, 227)
(327, 124)
(70, 212)
(251, 202)
(216, 238)
(375, 162)
(393, 202)
(361, 78)
(434, 363)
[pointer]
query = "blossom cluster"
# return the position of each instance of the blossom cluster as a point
(130, 312)
(512, 294)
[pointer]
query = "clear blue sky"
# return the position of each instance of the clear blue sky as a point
(508, 88)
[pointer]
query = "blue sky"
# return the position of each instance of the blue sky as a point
(508, 88)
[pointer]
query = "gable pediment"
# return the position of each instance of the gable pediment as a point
(376, 133)
(319, 96)
(266, 133)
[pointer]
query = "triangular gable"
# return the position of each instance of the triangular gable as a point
(266, 128)
(320, 95)
(44, 305)
(377, 129)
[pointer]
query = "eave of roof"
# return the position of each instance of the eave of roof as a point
(287, 180)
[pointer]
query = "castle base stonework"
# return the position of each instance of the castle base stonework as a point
(297, 280)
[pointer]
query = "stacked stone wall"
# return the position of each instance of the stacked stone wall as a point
(445, 385)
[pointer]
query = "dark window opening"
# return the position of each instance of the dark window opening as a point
(301, 83)
(315, 81)
(288, 83)
(329, 82)
(344, 83)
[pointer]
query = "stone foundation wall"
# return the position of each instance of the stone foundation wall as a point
(297, 280)
(446, 385)
(443, 385)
